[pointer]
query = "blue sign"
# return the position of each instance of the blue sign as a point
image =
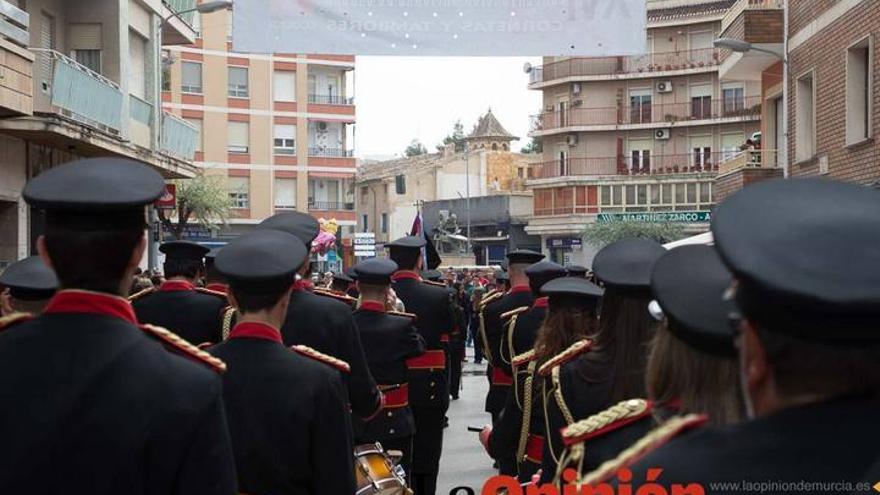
(565, 243)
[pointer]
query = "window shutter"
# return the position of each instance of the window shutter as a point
(285, 193)
(85, 36)
(284, 85)
(238, 137)
(137, 83)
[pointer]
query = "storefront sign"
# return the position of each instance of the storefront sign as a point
(441, 27)
(657, 216)
(168, 200)
(564, 243)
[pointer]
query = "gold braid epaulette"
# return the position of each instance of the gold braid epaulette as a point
(565, 356)
(412, 316)
(324, 358)
(519, 310)
(180, 344)
(592, 426)
(523, 358)
(211, 292)
(650, 442)
(228, 316)
(13, 318)
(140, 294)
(488, 300)
(339, 297)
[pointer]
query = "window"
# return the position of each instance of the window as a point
(730, 144)
(640, 161)
(733, 96)
(702, 157)
(384, 223)
(89, 58)
(563, 164)
(805, 119)
(284, 85)
(166, 71)
(238, 137)
(640, 106)
(137, 75)
(285, 139)
(191, 77)
(324, 194)
(239, 192)
(642, 194)
(858, 91)
(705, 193)
(197, 123)
(520, 172)
(285, 193)
(365, 223)
(679, 193)
(691, 193)
(238, 82)
(701, 102)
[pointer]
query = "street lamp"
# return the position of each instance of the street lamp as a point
(202, 8)
(740, 46)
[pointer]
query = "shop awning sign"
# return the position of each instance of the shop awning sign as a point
(441, 27)
(657, 217)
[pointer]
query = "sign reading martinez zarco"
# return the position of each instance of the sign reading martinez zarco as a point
(659, 216)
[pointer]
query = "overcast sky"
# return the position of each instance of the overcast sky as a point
(404, 98)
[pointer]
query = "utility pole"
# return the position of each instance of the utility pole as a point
(467, 174)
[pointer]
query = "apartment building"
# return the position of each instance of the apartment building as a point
(277, 129)
(833, 91)
(638, 134)
(81, 79)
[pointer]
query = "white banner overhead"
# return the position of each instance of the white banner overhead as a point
(441, 27)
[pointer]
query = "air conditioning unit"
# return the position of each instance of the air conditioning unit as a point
(571, 140)
(576, 88)
(664, 87)
(662, 134)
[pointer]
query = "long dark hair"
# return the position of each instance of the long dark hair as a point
(568, 320)
(700, 382)
(620, 347)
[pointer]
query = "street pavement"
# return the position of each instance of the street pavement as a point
(464, 462)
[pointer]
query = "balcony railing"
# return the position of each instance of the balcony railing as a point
(79, 92)
(330, 100)
(742, 5)
(331, 206)
(178, 136)
(696, 109)
(749, 159)
(180, 6)
(321, 152)
(140, 110)
(610, 66)
(14, 24)
(627, 165)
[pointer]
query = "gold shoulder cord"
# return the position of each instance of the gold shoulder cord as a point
(486, 350)
(511, 326)
(556, 391)
(545, 397)
(560, 400)
(526, 415)
(227, 322)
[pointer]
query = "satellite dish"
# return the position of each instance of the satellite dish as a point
(527, 67)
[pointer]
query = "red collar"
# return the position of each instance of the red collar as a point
(175, 285)
(541, 302)
(256, 330)
(516, 289)
(372, 306)
(303, 284)
(218, 287)
(405, 275)
(85, 301)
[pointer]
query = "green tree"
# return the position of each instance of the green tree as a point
(601, 234)
(458, 137)
(415, 148)
(203, 199)
(536, 145)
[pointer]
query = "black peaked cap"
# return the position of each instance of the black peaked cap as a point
(627, 264)
(29, 279)
(408, 242)
(524, 256)
(542, 272)
(183, 250)
(572, 288)
(577, 270)
(302, 225)
(433, 275)
(689, 284)
(261, 261)
(375, 271)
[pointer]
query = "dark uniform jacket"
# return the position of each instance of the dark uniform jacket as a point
(428, 386)
(499, 369)
(91, 403)
(194, 314)
(326, 325)
(831, 442)
(389, 340)
(288, 417)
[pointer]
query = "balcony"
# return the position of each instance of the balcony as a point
(761, 23)
(79, 93)
(330, 100)
(749, 159)
(330, 206)
(178, 30)
(178, 136)
(647, 65)
(624, 165)
(16, 62)
(325, 152)
(699, 111)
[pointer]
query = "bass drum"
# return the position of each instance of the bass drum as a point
(376, 473)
